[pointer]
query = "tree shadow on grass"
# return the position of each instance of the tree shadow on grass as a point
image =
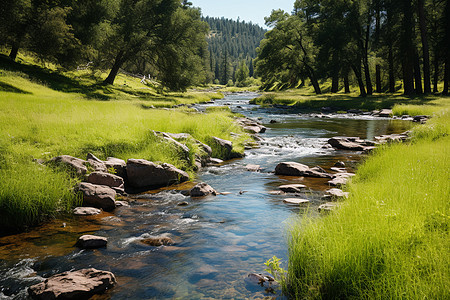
(5, 87)
(54, 80)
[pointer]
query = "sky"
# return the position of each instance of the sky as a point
(247, 10)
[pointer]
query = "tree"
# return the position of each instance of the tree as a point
(137, 26)
(242, 74)
(287, 53)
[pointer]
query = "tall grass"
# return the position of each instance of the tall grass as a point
(390, 239)
(40, 122)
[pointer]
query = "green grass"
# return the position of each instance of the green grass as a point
(46, 114)
(390, 239)
(305, 99)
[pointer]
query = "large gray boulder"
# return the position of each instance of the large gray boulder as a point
(146, 174)
(101, 178)
(98, 196)
(81, 284)
(201, 190)
(297, 169)
(73, 164)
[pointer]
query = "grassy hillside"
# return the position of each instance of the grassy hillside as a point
(44, 113)
(390, 239)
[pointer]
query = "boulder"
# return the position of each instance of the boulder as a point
(338, 181)
(420, 119)
(296, 201)
(86, 211)
(225, 145)
(340, 164)
(337, 193)
(107, 179)
(253, 168)
(98, 196)
(391, 138)
(345, 143)
(292, 188)
(145, 174)
(73, 164)
(97, 164)
(157, 241)
(119, 165)
(386, 113)
(297, 169)
(182, 148)
(91, 241)
(328, 207)
(201, 190)
(215, 161)
(122, 204)
(81, 284)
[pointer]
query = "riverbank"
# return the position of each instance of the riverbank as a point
(390, 238)
(44, 114)
(305, 100)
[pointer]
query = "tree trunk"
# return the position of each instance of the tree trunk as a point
(446, 77)
(366, 59)
(118, 62)
(436, 73)
(417, 75)
(407, 48)
(378, 78)
(335, 83)
(346, 83)
(425, 47)
(362, 90)
(14, 52)
(391, 70)
(314, 81)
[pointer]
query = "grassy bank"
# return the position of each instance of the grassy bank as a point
(390, 239)
(44, 114)
(305, 99)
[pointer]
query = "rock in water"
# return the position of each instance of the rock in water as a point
(297, 169)
(337, 193)
(328, 207)
(292, 188)
(145, 174)
(86, 211)
(253, 168)
(296, 201)
(107, 179)
(81, 284)
(157, 241)
(91, 241)
(201, 190)
(98, 196)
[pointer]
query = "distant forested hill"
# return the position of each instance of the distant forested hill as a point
(231, 42)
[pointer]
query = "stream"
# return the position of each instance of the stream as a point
(219, 240)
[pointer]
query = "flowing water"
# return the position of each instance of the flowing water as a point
(219, 240)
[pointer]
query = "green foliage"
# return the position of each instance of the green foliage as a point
(274, 268)
(242, 75)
